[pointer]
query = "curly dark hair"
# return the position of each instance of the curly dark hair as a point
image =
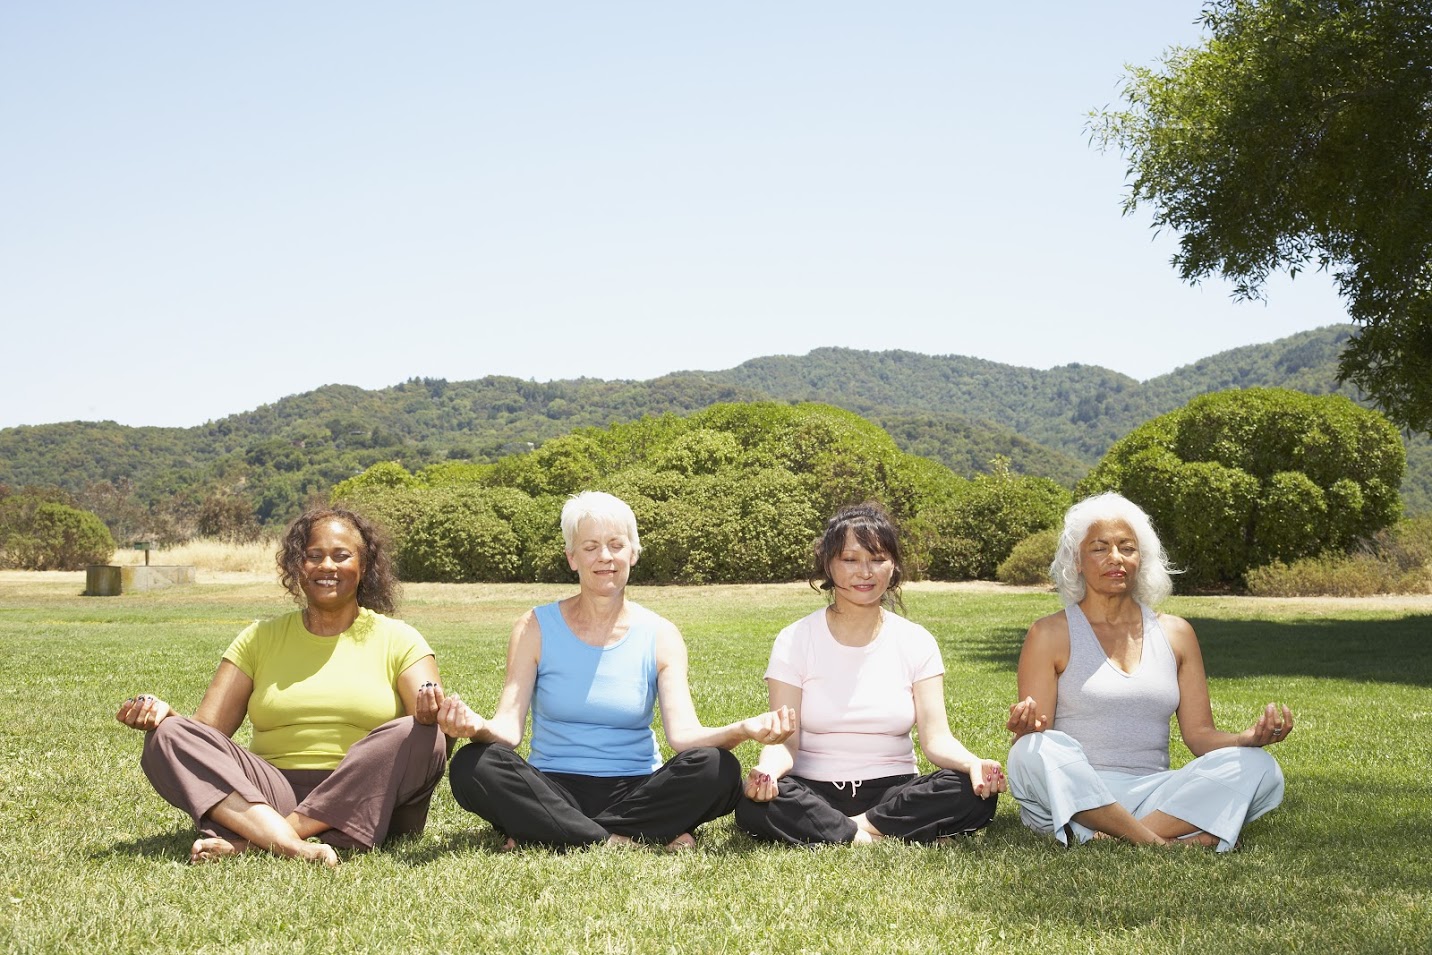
(378, 586)
(876, 531)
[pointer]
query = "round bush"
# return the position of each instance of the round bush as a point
(1028, 563)
(56, 536)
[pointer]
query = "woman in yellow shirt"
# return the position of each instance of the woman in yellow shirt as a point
(341, 699)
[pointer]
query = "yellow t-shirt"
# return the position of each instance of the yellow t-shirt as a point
(316, 696)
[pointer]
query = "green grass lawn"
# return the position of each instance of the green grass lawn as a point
(92, 860)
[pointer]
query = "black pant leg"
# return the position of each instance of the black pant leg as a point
(930, 807)
(801, 814)
(693, 787)
(500, 786)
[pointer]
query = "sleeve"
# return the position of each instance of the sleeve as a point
(243, 652)
(407, 647)
(785, 657)
(925, 659)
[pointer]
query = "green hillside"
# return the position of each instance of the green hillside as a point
(960, 411)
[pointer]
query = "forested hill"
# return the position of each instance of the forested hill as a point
(961, 411)
(1077, 409)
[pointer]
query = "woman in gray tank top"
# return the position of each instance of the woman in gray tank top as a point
(1098, 682)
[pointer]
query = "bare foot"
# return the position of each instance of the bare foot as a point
(318, 852)
(682, 843)
(1206, 839)
(616, 840)
(509, 846)
(213, 848)
(864, 831)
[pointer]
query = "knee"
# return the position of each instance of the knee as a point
(478, 761)
(749, 815)
(1259, 764)
(716, 766)
(1023, 756)
(402, 726)
(161, 742)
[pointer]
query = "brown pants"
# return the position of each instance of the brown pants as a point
(380, 789)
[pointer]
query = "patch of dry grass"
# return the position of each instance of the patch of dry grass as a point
(211, 555)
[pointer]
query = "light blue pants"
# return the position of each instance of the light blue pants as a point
(1218, 792)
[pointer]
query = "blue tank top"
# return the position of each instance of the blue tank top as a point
(592, 706)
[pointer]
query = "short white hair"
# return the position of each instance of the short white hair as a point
(603, 508)
(1152, 583)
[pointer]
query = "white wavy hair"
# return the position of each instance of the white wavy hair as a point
(1152, 583)
(603, 508)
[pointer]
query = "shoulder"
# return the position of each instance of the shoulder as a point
(396, 632)
(804, 629)
(1053, 627)
(665, 634)
(264, 631)
(1178, 632)
(1049, 637)
(381, 623)
(909, 632)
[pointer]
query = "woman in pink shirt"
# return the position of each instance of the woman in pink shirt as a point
(859, 677)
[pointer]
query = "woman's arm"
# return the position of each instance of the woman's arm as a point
(420, 690)
(684, 729)
(939, 744)
(524, 651)
(1043, 658)
(1195, 711)
(225, 704)
(777, 759)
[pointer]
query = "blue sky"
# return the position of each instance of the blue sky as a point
(205, 207)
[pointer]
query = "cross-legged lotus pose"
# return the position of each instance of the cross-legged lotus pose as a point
(858, 677)
(592, 667)
(1098, 682)
(343, 702)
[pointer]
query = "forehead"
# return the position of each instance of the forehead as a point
(1110, 531)
(334, 533)
(852, 542)
(599, 529)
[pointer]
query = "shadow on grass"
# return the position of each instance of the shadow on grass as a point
(480, 839)
(165, 845)
(1381, 651)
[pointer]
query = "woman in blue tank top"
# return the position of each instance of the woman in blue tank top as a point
(1098, 682)
(592, 668)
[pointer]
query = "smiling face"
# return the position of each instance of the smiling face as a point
(601, 556)
(1109, 558)
(332, 565)
(859, 576)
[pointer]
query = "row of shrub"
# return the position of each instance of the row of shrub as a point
(735, 493)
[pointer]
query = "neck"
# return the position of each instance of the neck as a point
(330, 623)
(853, 625)
(596, 619)
(1100, 608)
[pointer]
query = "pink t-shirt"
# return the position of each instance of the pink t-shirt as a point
(857, 703)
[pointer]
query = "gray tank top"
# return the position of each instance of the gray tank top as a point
(1121, 719)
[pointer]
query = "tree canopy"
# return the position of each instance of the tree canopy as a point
(1300, 134)
(1239, 479)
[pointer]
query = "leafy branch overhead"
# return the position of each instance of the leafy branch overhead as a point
(1299, 135)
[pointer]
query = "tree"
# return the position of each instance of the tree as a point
(1239, 479)
(40, 533)
(1300, 134)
